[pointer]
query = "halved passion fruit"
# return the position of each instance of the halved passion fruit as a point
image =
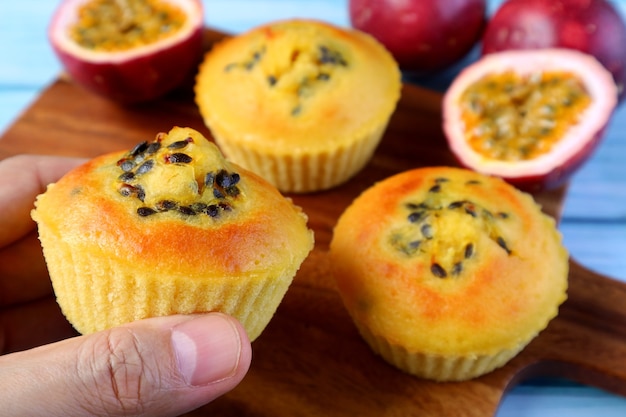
(531, 117)
(128, 50)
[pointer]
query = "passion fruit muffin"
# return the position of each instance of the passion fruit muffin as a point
(300, 102)
(448, 273)
(169, 227)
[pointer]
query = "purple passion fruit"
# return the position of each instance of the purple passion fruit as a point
(531, 117)
(128, 50)
(422, 35)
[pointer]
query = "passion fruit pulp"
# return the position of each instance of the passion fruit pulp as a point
(531, 117)
(590, 26)
(128, 50)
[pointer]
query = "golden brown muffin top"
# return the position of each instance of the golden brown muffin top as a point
(175, 204)
(296, 85)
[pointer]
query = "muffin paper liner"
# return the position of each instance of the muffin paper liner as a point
(308, 172)
(437, 367)
(96, 291)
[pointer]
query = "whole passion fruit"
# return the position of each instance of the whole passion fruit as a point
(531, 117)
(128, 50)
(590, 26)
(422, 35)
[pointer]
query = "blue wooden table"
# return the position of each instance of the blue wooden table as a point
(594, 215)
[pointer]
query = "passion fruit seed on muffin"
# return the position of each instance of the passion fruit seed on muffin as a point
(302, 103)
(448, 273)
(169, 227)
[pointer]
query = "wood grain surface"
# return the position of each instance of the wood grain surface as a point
(310, 361)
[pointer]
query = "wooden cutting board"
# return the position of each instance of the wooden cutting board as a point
(310, 361)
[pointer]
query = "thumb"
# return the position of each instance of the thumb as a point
(162, 366)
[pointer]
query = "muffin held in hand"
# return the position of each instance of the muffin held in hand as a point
(170, 227)
(302, 103)
(447, 273)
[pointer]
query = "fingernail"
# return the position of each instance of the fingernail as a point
(207, 348)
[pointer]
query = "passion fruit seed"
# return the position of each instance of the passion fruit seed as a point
(415, 216)
(126, 164)
(209, 179)
(469, 251)
(153, 148)
(166, 205)
(141, 159)
(217, 193)
(418, 236)
(212, 210)
(226, 180)
(145, 211)
(118, 25)
(180, 144)
(427, 231)
(187, 211)
(128, 190)
(139, 149)
(330, 56)
(178, 158)
(438, 271)
(249, 62)
(503, 244)
(324, 61)
(512, 117)
(145, 167)
(126, 176)
(435, 188)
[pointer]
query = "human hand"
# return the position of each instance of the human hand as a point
(155, 367)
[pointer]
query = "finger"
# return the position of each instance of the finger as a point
(22, 178)
(23, 272)
(162, 366)
(32, 324)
